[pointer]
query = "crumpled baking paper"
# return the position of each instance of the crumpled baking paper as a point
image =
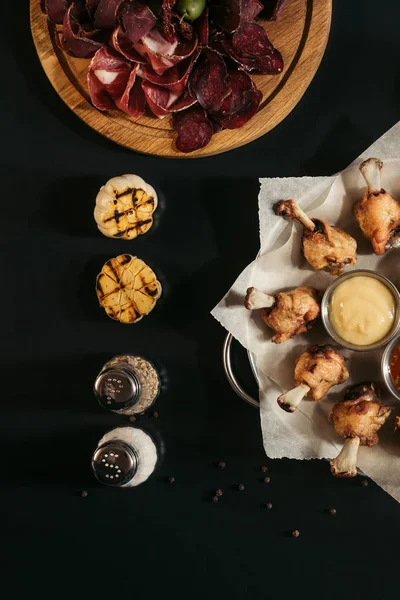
(307, 433)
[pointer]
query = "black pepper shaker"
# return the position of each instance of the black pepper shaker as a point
(127, 385)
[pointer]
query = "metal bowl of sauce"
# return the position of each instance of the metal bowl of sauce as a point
(391, 367)
(361, 310)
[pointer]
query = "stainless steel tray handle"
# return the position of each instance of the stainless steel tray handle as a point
(226, 360)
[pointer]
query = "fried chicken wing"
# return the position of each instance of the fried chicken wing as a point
(378, 213)
(357, 418)
(317, 370)
(287, 313)
(324, 246)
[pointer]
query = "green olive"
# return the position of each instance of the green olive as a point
(191, 9)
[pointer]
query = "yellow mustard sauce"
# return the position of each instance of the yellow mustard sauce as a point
(362, 310)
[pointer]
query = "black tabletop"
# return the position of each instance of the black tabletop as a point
(164, 538)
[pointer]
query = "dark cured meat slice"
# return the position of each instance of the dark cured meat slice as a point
(250, 9)
(121, 43)
(55, 9)
(75, 40)
(137, 21)
(271, 64)
(162, 102)
(157, 98)
(230, 14)
(251, 40)
(209, 80)
(203, 27)
(91, 6)
(133, 101)
(107, 13)
(161, 53)
(107, 78)
(272, 9)
(166, 17)
(175, 79)
(193, 128)
(244, 101)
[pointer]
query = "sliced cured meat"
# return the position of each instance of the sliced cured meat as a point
(75, 40)
(272, 9)
(122, 44)
(163, 102)
(108, 78)
(230, 14)
(203, 27)
(91, 6)
(168, 25)
(209, 80)
(55, 9)
(251, 40)
(243, 103)
(250, 10)
(137, 21)
(133, 101)
(174, 79)
(107, 13)
(193, 128)
(270, 64)
(163, 54)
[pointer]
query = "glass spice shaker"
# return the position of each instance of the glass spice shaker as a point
(124, 457)
(127, 385)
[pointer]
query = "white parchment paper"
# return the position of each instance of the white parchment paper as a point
(307, 433)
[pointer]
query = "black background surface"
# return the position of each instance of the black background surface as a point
(169, 539)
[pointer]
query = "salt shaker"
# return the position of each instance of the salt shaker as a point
(127, 385)
(124, 457)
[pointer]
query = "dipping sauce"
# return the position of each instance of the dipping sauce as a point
(395, 366)
(362, 310)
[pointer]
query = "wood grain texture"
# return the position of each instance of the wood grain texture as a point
(301, 34)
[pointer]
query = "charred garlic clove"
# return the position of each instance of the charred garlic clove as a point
(256, 299)
(290, 400)
(345, 464)
(124, 207)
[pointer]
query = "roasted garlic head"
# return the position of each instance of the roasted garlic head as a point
(127, 288)
(124, 207)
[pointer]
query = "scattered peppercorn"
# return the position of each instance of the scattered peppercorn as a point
(241, 487)
(155, 414)
(171, 479)
(84, 493)
(364, 483)
(296, 533)
(219, 493)
(332, 511)
(215, 499)
(222, 464)
(132, 419)
(264, 469)
(267, 480)
(269, 506)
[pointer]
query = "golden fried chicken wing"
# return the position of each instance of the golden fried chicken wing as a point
(357, 418)
(287, 313)
(317, 370)
(324, 246)
(378, 213)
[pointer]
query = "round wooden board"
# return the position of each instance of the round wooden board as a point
(301, 34)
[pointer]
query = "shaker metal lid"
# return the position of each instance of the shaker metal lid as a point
(117, 389)
(114, 463)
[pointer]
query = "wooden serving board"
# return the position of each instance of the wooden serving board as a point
(301, 34)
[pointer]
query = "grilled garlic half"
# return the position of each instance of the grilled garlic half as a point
(124, 207)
